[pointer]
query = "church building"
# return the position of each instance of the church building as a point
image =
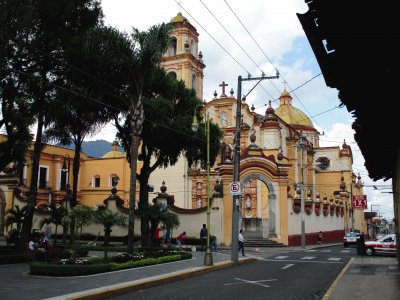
(281, 165)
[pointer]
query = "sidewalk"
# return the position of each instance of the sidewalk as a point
(362, 278)
(367, 278)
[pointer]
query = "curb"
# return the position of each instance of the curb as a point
(127, 287)
(335, 283)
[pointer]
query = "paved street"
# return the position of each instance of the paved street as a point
(328, 272)
(290, 275)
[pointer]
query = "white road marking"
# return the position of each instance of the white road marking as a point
(302, 261)
(326, 251)
(334, 258)
(281, 257)
(345, 251)
(287, 266)
(256, 282)
(308, 257)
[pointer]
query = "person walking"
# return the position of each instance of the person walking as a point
(319, 241)
(203, 237)
(241, 242)
(179, 240)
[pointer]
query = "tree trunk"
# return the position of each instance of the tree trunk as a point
(107, 234)
(143, 206)
(27, 224)
(136, 130)
(73, 201)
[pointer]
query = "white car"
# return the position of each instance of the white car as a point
(350, 238)
(385, 245)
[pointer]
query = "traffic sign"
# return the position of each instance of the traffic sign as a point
(234, 188)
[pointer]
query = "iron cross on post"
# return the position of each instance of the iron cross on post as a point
(223, 84)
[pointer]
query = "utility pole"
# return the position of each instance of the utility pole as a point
(236, 207)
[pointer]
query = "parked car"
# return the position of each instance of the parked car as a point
(350, 238)
(385, 245)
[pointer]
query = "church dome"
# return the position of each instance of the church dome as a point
(290, 114)
(114, 153)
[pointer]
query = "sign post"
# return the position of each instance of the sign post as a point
(234, 188)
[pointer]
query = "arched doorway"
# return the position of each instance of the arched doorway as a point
(259, 216)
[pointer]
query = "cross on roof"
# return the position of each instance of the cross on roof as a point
(179, 3)
(284, 84)
(223, 84)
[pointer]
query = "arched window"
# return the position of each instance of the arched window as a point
(113, 180)
(172, 46)
(172, 74)
(194, 82)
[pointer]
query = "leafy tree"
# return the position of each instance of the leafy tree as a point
(15, 118)
(41, 46)
(81, 217)
(131, 60)
(16, 215)
(56, 217)
(77, 118)
(170, 222)
(169, 108)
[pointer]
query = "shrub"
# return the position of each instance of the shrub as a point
(124, 257)
(98, 265)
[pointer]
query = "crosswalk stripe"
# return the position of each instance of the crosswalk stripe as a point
(334, 258)
(308, 257)
(281, 257)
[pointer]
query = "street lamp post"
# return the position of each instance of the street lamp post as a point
(208, 259)
(301, 145)
(66, 169)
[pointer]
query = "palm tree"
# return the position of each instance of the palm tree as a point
(16, 215)
(57, 214)
(128, 63)
(108, 219)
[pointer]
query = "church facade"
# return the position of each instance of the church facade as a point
(280, 159)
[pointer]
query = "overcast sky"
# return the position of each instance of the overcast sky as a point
(253, 36)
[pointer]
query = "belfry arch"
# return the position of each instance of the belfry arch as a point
(270, 225)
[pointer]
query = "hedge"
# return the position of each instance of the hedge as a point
(51, 269)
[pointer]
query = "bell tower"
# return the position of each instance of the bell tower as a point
(183, 60)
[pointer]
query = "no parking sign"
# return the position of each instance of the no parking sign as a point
(234, 188)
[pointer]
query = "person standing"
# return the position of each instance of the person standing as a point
(319, 238)
(203, 237)
(179, 240)
(241, 242)
(156, 236)
(47, 231)
(214, 245)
